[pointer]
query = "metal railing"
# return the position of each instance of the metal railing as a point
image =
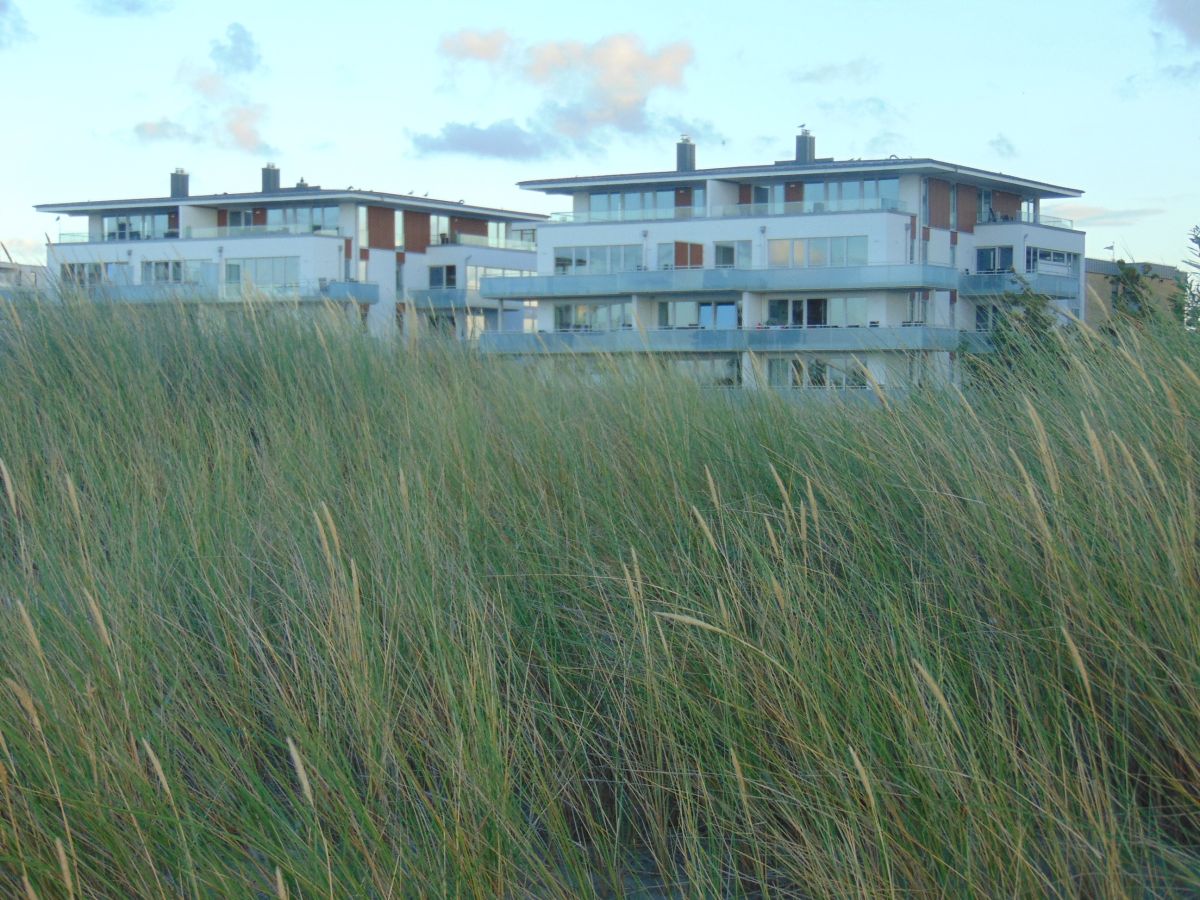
(724, 211)
(480, 240)
(1026, 217)
(217, 232)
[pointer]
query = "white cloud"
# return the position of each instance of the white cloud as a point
(12, 24)
(590, 91)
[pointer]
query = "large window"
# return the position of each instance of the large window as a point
(817, 312)
(634, 206)
(398, 227)
(443, 276)
(139, 227)
(174, 271)
(1053, 262)
(993, 259)
(732, 254)
(269, 271)
(474, 273)
(593, 316)
(720, 315)
(815, 372)
(598, 260)
(823, 251)
(439, 229)
(298, 219)
(82, 274)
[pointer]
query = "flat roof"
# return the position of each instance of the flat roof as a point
(296, 195)
(785, 168)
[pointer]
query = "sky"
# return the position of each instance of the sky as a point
(460, 100)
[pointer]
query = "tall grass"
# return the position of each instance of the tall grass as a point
(289, 611)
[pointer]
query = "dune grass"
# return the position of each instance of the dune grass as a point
(288, 611)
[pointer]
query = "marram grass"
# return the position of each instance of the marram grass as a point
(288, 611)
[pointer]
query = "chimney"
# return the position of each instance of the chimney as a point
(685, 155)
(179, 183)
(806, 147)
(270, 179)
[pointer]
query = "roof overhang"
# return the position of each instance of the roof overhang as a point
(292, 197)
(772, 173)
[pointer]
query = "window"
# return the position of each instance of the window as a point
(822, 251)
(732, 254)
(720, 314)
(439, 229)
(986, 213)
(264, 272)
(666, 256)
(398, 219)
(817, 312)
(443, 277)
(598, 260)
(138, 227)
(173, 271)
(593, 316)
(82, 274)
(364, 237)
(993, 259)
(954, 206)
(918, 305)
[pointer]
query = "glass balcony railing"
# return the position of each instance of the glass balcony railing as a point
(480, 240)
(1025, 216)
(219, 232)
(719, 211)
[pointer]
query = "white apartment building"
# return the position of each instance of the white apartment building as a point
(800, 273)
(22, 280)
(406, 261)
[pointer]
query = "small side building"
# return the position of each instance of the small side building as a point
(1161, 282)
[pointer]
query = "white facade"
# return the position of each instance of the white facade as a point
(803, 273)
(399, 258)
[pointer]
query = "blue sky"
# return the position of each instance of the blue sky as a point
(103, 98)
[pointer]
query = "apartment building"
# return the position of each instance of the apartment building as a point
(806, 272)
(22, 280)
(1161, 282)
(403, 260)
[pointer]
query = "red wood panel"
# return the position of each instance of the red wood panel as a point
(968, 208)
(381, 228)
(793, 192)
(939, 203)
(745, 194)
(259, 216)
(683, 196)
(399, 257)
(1006, 205)
(925, 232)
(461, 225)
(954, 239)
(222, 218)
(349, 250)
(416, 231)
(681, 254)
(364, 254)
(696, 255)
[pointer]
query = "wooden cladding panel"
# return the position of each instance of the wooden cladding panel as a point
(968, 208)
(349, 250)
(1006, 205)
(222, 218)
(364, 254)
(381, 228)
(939, 203)
(683, 196)
(688, 255)
(259, 216)
(477, 227)
(793, 192)
(745, 194)
(416, 231)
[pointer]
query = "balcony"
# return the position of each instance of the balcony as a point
(993, 284)
(1027, 217)
(203, 233)
(719, 211)
(854, 339)
(207, 293)
(687, 281)
(479, 240)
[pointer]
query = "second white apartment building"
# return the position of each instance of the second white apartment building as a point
(406, 261)
(806, 272)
